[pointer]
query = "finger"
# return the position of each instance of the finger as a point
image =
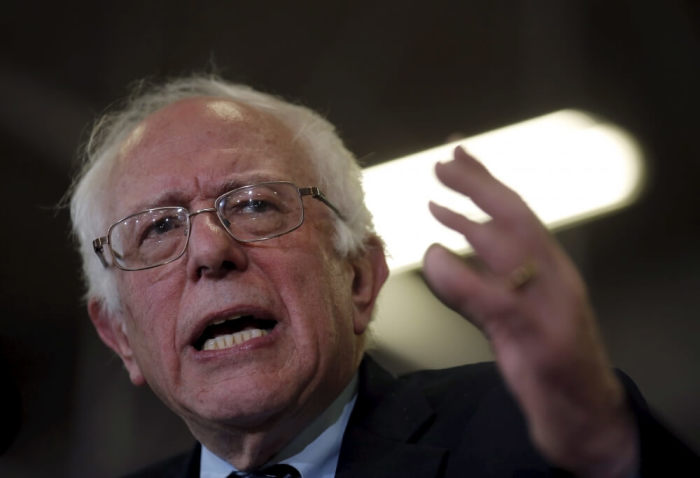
(455, 221)
(457, 285)
(468, 176)
(497, 249)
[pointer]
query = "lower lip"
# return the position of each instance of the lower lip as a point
(246, 347)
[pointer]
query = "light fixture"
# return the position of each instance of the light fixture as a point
(569, 166)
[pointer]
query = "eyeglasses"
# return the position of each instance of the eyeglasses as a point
(157, 236)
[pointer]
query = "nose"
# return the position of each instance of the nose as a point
(212, 252)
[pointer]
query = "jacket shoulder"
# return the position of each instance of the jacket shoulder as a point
(470, 383)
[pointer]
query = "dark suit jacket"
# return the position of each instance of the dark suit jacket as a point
(459, 422)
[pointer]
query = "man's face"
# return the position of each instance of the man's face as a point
(295, 286)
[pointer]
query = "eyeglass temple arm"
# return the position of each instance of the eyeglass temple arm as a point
(98, 246)
(316, 193)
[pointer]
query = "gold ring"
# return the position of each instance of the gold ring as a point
(522, 275)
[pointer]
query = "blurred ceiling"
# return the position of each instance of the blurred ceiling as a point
(395, 77)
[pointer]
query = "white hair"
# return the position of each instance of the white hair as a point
(338, 172)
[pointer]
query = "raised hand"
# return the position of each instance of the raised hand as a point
(528, 298)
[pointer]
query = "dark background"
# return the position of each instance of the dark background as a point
(396, 77)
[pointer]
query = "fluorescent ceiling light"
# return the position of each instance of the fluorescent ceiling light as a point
(568, 166)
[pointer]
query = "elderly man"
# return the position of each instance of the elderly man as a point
(232, 266)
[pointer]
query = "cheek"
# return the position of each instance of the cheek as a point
(152, 290)
(150, 302)
(317, 291)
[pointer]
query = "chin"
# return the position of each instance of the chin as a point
(230, 406)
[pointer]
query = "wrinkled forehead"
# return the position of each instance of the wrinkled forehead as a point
(196, 124)
(204, 140)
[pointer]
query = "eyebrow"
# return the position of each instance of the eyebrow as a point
(166, 198)
(178, 199)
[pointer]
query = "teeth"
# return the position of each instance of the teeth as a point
(229, 340)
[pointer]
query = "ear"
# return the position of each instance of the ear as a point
(370, 272)
(112, 330)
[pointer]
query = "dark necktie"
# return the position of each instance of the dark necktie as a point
(275, 471)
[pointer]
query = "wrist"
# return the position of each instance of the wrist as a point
(613, 452)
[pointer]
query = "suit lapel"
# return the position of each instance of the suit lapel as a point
(386, 418)
(191, 468)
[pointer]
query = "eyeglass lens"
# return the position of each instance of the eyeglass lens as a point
(251, 213)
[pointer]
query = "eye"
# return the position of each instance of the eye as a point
(163, 225)
(255, 206)
(160, 227)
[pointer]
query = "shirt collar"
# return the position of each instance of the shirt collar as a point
(314, 452)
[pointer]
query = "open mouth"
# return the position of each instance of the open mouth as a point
(233, 331)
